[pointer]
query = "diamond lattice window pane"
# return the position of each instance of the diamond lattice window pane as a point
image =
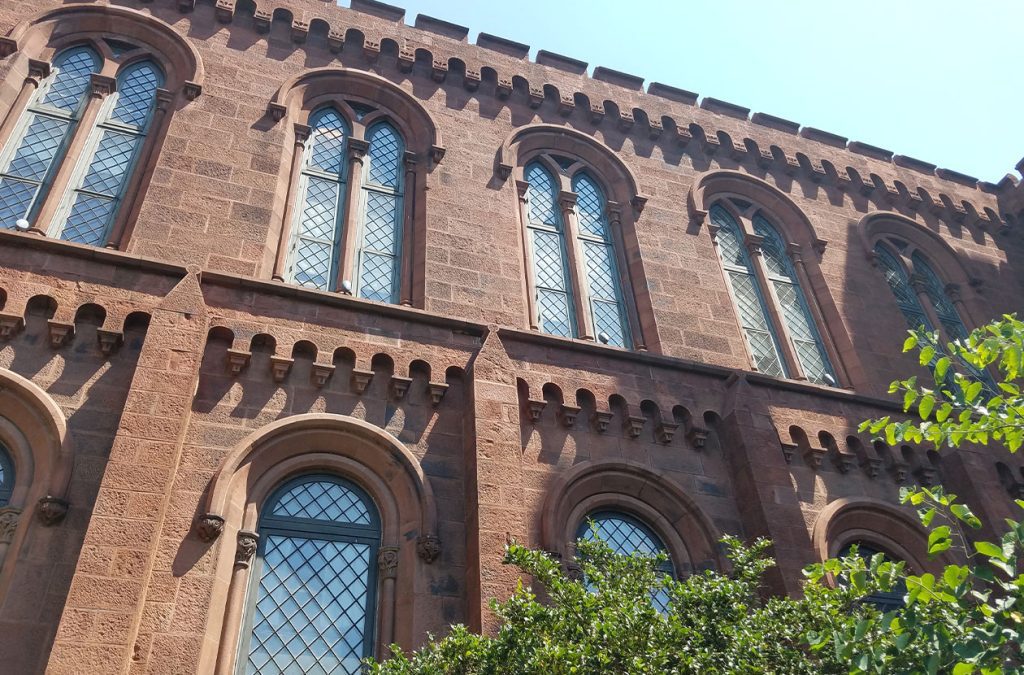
(136, 93)
(385, 155)
(590, 206)
(608, 320)
(323, 500)
(548, 260)
(38, 147)
(380, 232)
(311, 607)
(730, 243)
(773, 250)
(320, 211)
(794, 309)
(110, 163)
(601, 277)
(812, 361)
(73, 68)
(899, 282)
(766, 357)
(87, 222)
(748, 301)
(542, 206)
(328, 142)
(377, 277)
(626, 537)
(15, 200)
(313, 262)
(553, 313)
(936, 291)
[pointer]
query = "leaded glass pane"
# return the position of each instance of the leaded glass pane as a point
(381, 229)
(549, 260)
(136, 93)
(15, 200)
(311, 611)
(320, 213)
(899, 282)
(313, 262)
(87, 222)
(6, 476)
(377, 277)
(936, 292)
(71, 79)
(810, 350)
(590, 206)
(40, 144)
(327, 141)
(385, 155)
(110, 163)
(747, 294)
(541, 197)
(323, 500)
(626, 536)
(603, 286)
(553, 311)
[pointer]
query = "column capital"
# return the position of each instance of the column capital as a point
(101, 86)
(754, 243)
(566, 200)
(302, 133)
(164, 99)
(9, 517)
(37, 72)
(387, 561)
(246, 547)
(357, 148)
(410, 160)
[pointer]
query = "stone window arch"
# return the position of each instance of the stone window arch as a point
(313, 585)
(79, 143)
(583, 279)
(781, 331)
(354, 214)
(365, 466)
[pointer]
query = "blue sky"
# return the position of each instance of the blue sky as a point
(939, 80)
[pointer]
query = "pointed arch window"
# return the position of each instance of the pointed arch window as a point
(313, 585)
(941, 302)
(39, 143)
(6, 476)
(780, 329)
(380, 241)
(350, 217)
(314, 256)
(899, 282)
(112, 152)
(576, 286)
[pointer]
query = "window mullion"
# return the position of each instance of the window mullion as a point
(577, 274)
(532, 311)
(352, 213)
(292, 207)
(784, 340)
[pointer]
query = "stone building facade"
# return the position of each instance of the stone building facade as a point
(293, 293)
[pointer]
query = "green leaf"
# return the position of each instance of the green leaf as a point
(972, 391)
(926, 355)
(938, 539)
(989, 549)
(963, 669)
(941, 367)
(910, 343)
(924, 408)
(943, 412)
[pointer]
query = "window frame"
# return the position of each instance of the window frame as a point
(9, 476)
(744, 212)
(267, 523)
(564, 175)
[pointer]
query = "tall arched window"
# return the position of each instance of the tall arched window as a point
(87, 214)
(6, 476)
(626, 535)
(554, 311)
(380, 243)
(35, 150)
(335, 164)
(575, 279)
(313, 261)
(311, 601)
(774, 313)
(941, 302)
(604, 286)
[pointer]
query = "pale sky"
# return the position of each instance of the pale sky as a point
(938, 80)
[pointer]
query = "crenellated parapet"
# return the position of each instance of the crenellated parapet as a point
(677, 120)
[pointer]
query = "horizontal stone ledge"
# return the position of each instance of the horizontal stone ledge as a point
(441, 27)
(777, 123)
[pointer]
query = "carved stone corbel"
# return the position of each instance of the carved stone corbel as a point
(602, 420)
(9, 517)
(399, 386)
(697, 436)
(248, 542)
(51, 510)
(237, 360)
(813, 456)
(437, 390)
(634, 425)
(209, 527)
(361, 380)
(10, 325)
(428, 547)
(321, 373)
(788, 450)
(280, 366)
(533, 410)
(387, 562)
(60, 333)
(568, 414)
(666, 431)
(110, 340)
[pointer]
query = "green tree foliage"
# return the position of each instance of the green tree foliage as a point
(961, 403)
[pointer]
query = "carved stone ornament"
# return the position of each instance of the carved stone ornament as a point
(387, 561)
(601, 421)
(813, 457)
(8, 523)
(533, 409)
(51, 510)
(428, 548)
(634, 425)
(209, 526)
(698, 436)
(360, 380)
(568, 413)
(666, 431)
(247, 543)
(873, 465)
(437, 390)
(788, 450)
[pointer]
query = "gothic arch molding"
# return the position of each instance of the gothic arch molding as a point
(879, 224)
(782, 211)
(867, 519)
(630, 486)
(65, 25)
(301, 94)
